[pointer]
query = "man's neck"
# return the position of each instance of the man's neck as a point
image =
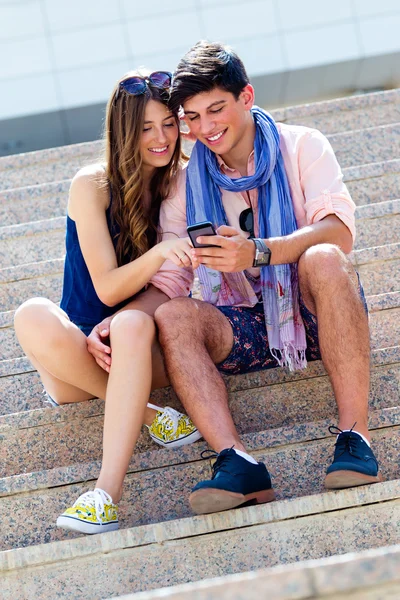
(238, 156)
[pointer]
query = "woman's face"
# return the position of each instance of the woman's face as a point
(160, 133)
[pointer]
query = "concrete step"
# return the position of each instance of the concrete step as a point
(368, 575)
(43, 240)
(367, 183)
(45, 278)
(56, 164)
(295, 458)
(185, 550)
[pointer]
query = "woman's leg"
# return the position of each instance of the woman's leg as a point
(57, 349)
(132, 336)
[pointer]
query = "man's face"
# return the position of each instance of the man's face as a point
(217, 119)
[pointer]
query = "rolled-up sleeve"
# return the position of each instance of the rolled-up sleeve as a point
(322, 184)
(172, 280)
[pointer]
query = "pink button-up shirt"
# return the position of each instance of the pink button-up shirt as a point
(317, 190)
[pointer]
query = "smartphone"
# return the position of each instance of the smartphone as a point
(198, 229)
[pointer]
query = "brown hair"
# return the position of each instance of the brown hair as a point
(207, 65)
(138, 227)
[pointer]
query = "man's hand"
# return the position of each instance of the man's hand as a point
(98, 344)
(236, 253)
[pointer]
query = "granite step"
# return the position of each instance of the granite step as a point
(191, 549)
(368, 575)
(342, 115)
(369, 183)
(21, 282)
(43, 240)
(21, 390)
(59, 436)
(356, 147)
(36, 202)
(382, 330)
(297, 458)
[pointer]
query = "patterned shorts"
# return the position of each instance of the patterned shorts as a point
(250, 351)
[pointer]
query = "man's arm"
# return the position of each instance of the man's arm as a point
(236, 253)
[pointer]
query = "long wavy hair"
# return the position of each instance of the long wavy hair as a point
(137, 225)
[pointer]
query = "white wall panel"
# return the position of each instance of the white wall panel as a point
(89, 46)
(21, 19)
(167, 61)
(380, 35)
(163, 34)
(75, 14)
(262, 55)
(227, 23)
(309, 13)
(24, 57)
(80, 87)
(137, 9)
(30, 95)
(321, 45)
(368, 8)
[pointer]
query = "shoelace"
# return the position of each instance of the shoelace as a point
(170, 418)
(347, 443)
(221, 461)
(96, 498)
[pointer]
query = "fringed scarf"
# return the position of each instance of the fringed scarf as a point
(279, 283)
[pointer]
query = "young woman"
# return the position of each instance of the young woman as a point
(112, 256)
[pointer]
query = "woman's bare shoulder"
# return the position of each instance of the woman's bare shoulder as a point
(89, 186)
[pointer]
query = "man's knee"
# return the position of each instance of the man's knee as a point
(175, 311)
(323, 265)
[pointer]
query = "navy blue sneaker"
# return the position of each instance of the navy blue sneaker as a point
(234, 481)
(354, 462)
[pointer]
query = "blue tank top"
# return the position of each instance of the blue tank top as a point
(79, 299)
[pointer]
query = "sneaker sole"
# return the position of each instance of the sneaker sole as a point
(189, 439)
(211, 500)
(81, 527)
(344, 479)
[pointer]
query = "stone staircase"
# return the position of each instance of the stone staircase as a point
(49, 456)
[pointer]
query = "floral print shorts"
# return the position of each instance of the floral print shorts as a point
(250, 351)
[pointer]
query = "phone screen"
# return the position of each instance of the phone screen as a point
(195, 231)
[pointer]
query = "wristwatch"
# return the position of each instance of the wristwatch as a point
(262, 257)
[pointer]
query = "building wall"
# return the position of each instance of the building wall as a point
(59, 59)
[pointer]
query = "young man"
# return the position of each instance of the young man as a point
(283, 186)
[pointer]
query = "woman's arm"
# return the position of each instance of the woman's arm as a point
(88, 201)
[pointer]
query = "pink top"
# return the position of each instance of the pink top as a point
(316, 185)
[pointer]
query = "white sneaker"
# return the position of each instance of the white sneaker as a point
(93, 512)
(171, 428)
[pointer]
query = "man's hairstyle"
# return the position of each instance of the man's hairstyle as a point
(206, 66)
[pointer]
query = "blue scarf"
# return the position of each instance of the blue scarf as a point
(279, 283)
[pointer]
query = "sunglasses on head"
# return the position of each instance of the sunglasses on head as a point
(136, 85)
(246, 221)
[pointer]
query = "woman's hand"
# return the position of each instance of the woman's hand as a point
(98, 344)
(177, 250)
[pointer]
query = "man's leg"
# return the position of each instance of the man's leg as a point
(194, 335)
(329, 288)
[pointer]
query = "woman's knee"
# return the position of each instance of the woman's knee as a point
(132, 325)
(39, 320)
